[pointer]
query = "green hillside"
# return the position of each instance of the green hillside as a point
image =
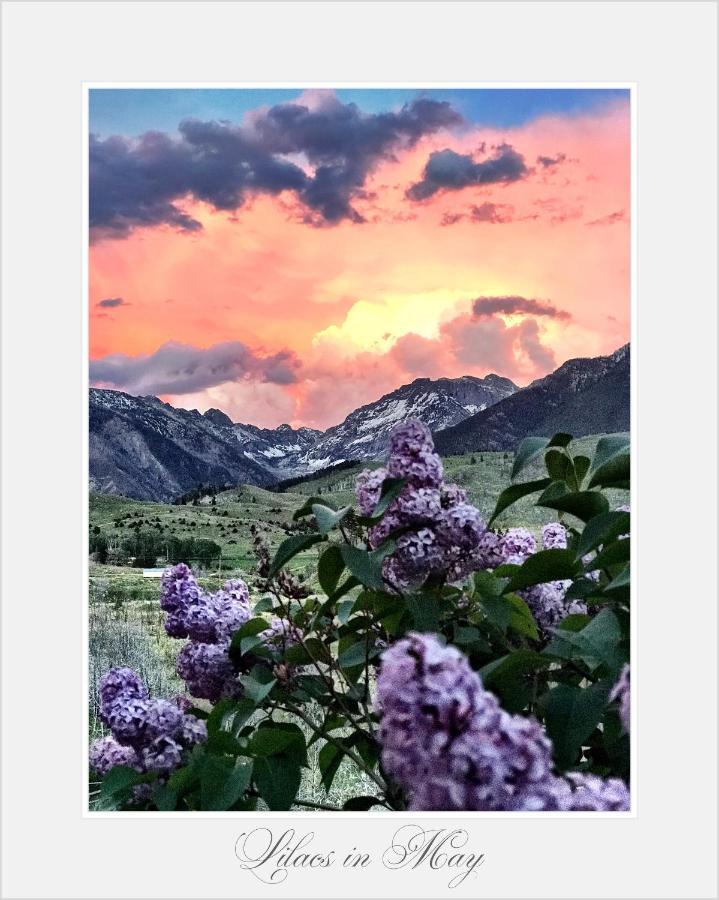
(227, 517)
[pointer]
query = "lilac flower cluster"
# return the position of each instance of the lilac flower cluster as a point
(447, 742)
(546, 601)
(147, 735)
(437, 532)
(210, 621)
(621, 693)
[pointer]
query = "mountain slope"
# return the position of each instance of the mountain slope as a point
(438, 403)
(583, 396)
(146, 449)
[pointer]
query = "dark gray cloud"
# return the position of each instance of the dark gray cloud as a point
(489, 306)
(176, 368)
(111, 302)
(449, 171)
(548, 162)
(323, 154)
(610, 219)
(491, 213)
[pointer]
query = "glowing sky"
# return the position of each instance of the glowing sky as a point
(287, 256)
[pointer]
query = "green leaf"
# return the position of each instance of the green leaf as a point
(277, 779)
(598, 643)
(290, 547)
(521, 619)
(611, 464)
(344, 588)
(560, 439)
(528, 450)
(329, 759)
(611, 555)
(330, 567)
(116, 787)
(510, 611)
(391, 489)
(256, 690)
(547, 565)
(620, 582)
(245, 638)
(602, 529)
(264, 604)
(582, 504)
(354, 655)
(558, 465)
(222, 782)
(470, 638)
(424, 609)
(306, 508)
(272, 738)
(366, 565)
(515, 492)
(571, 715)
(510, 677)
(488, 584)
(581, 467)
(327, 518)
(344, 611)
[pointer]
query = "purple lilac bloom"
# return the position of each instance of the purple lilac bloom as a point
(163, 717)
(182, 703)
(127, 719)
(621, 693)
(205, 618)
(594, 794)
(193, 730)
(489, 551)
(163, 754)
(368, 488)
(436, 530)
(554, 536)
(449, 744)
(548, 605)
(106, 753)
(414, 506)
(120, 682)
(149, 735)
(207, 671)
(517, 545)
(412, 456)
(451, 494)
(179, 588)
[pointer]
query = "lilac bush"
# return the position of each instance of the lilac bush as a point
(439, 655)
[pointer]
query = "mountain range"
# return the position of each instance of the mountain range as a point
(144, 448)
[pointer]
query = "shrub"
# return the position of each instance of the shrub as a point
(455, 666)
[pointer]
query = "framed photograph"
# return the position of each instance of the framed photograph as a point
(361, 394)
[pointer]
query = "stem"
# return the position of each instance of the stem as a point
(312, 805)
(326, 679)
(356, 758)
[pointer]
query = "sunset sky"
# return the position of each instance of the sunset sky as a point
(289, 255)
